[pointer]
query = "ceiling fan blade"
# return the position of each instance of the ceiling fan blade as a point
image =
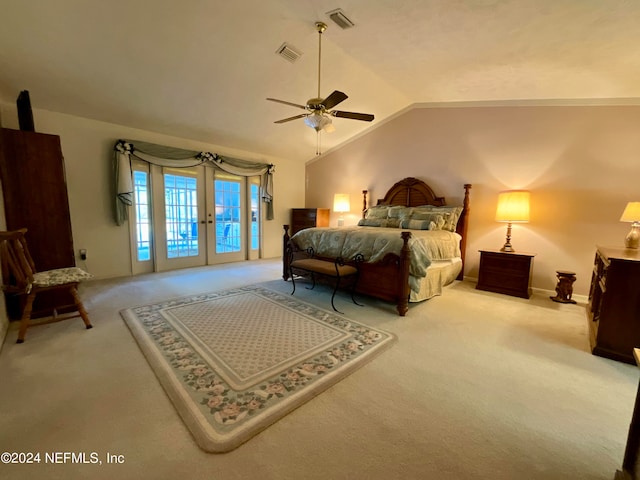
(334, 99)
(287, 103)
(291, 118)
(366, 117)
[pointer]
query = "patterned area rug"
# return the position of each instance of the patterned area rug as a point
(234, 362)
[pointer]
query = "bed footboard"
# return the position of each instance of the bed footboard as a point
(387, 279)
(286, 247)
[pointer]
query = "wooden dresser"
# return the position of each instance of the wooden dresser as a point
(631, 463)
(505, 272)
(614, 303)
(32, 173)
(302, 218)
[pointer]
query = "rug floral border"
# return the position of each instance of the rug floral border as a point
(224, 408)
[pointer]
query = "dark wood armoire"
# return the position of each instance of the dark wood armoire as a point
(34, 190)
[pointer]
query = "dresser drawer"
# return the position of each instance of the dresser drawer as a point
(299, 215)
(302, 218)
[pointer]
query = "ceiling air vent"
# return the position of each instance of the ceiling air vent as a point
(288, 53)
(340, 18)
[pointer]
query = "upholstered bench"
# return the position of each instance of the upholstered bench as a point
(332, 269)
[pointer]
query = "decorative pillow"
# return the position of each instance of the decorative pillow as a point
(378, 211)
(451, 215)
(438, 219)
(392, 223)
(370, 222)
(398, 211)
(419, 224)
(379, 222)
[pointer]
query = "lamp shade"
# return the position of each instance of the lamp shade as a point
(631, 212)
(341, 203)
(513, 206)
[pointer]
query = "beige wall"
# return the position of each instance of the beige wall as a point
(87, 147)
(581, 164)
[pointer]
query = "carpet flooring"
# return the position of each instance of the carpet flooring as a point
(477, 386)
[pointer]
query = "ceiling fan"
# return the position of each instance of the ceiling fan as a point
(318, 110)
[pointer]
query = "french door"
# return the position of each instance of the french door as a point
(188, 217)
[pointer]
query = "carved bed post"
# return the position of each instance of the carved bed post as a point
(463, 223)
(364, 202)
(285, 253)
(403, 286)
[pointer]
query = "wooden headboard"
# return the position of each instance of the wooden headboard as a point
(411, 192)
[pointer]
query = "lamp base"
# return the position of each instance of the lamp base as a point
(507, 244)
(632, 240)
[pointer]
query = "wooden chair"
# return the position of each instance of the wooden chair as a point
(19, 276)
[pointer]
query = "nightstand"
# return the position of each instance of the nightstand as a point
(506, 272)
(302, 218)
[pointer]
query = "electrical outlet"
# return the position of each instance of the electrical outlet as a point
(83, 254)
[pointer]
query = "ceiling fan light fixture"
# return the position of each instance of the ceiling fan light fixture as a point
(317, 121)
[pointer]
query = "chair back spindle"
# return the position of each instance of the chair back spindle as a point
(17, 264)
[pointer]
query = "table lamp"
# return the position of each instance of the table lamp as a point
(341, 205)
(513, 207)
(632, 214)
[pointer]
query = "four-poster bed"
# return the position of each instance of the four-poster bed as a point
(413, 243)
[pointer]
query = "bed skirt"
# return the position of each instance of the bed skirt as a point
(439, 274)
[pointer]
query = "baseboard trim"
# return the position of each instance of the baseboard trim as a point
(583, 299)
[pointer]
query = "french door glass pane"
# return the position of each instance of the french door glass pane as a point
(228, 213)
(181, 215)
(255, 226)
(141, 193)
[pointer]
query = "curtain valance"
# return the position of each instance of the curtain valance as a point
(179, 158)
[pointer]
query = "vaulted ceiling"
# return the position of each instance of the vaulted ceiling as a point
(202, 69)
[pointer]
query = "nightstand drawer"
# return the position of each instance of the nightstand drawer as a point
(512, 264)
(505, 272)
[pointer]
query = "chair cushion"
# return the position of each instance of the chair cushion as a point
(60, 276)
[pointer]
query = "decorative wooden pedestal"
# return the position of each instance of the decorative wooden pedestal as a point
(564, 289)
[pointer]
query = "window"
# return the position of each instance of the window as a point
(181, 215)
(228, 215)
(254, 232)
(143, 215)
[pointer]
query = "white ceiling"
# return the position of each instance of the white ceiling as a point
(201, 69)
